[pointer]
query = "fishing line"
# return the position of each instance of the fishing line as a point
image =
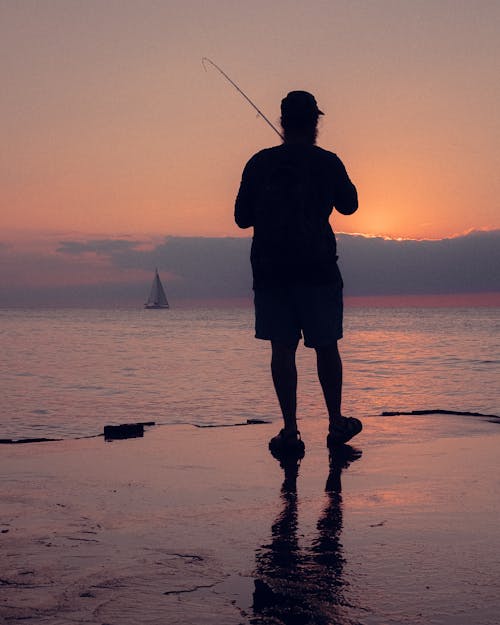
(207, 60)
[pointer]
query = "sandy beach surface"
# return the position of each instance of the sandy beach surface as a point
(201, 525)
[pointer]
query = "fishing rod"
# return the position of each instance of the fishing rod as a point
(207, 60)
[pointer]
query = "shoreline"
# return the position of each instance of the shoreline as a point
(386, 413)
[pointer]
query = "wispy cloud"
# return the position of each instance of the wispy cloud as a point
(104, 247)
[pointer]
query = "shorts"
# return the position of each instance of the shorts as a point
(285, 314)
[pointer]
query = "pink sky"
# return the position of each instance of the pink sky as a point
(111, 126)
(111, 129)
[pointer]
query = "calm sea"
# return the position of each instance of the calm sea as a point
(67, 373)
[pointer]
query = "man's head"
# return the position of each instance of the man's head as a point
(299, 117)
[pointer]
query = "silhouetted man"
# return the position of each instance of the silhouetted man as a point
(287, 194)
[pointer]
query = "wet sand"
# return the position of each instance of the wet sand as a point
(195, 526)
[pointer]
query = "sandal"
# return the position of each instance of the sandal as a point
(287, 444)
(342, 430)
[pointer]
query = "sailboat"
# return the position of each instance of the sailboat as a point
(157, 297)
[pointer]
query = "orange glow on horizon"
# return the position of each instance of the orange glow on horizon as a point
(113, 130)
(388, 237)
(452, 300)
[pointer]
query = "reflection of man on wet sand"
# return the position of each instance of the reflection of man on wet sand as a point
(287, 194)
(299, 585)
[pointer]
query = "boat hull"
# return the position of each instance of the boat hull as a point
(155, 307)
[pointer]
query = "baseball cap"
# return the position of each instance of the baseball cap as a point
(300, 104)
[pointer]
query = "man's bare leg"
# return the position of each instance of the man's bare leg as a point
(284, 374)
(330, 376)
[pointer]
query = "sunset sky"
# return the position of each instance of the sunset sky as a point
(112, 128)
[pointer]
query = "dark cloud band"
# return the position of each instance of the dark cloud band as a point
(209, 267)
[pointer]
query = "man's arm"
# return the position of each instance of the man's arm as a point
(244, 205)
(346, 196)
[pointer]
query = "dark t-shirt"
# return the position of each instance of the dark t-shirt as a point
(287, 194)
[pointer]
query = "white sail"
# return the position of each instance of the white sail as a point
(157, 297)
